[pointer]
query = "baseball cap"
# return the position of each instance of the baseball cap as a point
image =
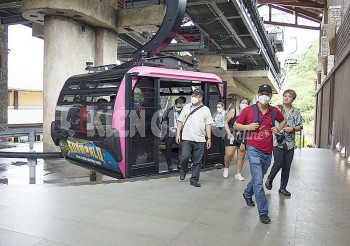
(198, 92)
(265, 87)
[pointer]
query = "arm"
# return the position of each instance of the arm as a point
(179, 127)
(251, 127)
(281, 120)
(227, 119)
(208, 132)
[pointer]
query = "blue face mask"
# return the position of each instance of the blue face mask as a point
(194, 100)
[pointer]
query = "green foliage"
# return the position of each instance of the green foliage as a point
(301, 78)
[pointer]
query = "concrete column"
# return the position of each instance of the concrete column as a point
(68, 45)
(3, 75)
(106, 47)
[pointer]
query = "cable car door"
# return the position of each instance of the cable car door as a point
(142, 99)
(216, 92)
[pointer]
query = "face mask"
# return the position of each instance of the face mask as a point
(177, 109)
(194, 100)
(263, 99)
(219, 110)
(243, 106)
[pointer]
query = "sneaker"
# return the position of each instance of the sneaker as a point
(225, 173)
(284, 192)
(219, 166)
(249, 201)
(264, 218)
(239, 177)
(268, 184)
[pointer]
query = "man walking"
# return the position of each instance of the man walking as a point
(259, 120)
(283, 150)
(169, 126)
(195, 122)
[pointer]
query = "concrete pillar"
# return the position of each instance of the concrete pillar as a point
(3, 75)
(68, 45)
(106, 47)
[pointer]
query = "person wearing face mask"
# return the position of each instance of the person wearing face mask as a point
(169, 127)
(259, 122)
(283, 150)
(194, 132)
(219, 118)
(234, 140)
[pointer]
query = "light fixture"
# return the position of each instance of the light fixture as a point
(337, 147)
(343, 152)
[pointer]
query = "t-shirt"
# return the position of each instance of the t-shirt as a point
(261, 138)
(194, 129)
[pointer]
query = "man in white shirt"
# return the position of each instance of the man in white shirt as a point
(195, 121)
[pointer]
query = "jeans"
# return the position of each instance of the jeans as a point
(195, 151)
(282, 160)
(259, 163)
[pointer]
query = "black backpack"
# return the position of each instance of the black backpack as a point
(256, 114)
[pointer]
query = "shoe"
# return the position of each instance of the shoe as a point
(195, 184)
(264, 218)
(170, 168)
(249, 201)
(284, 192)
(225, 173)
(182, 175)
(268, 184)
(178, 168)
(239, 177)
(219, 166)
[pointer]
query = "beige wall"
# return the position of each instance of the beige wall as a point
(26, 98)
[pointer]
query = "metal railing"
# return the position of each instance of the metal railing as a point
(32, 156)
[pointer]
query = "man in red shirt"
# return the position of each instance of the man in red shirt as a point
(259, 146)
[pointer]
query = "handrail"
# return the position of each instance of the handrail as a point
(30, 155)
(20, 132)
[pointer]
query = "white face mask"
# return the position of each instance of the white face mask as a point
(243, 106)
(194, 100)
(219, 110)
(263, 99)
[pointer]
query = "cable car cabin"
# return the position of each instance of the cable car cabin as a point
(109, 121)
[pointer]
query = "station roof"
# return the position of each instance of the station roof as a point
(232, 29)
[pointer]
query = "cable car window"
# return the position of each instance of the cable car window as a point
(86, 107)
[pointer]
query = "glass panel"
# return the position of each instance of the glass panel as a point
(87, 107)
(143, 107)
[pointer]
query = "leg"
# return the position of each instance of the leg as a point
(278, 155)
(286, 168)
(240, 160)
(229, 154)
(179, 154)
(197, 158)
(168, 149)
(185, 155)
(252, 155)
(258, 165)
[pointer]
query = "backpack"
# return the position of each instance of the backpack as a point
(256, 114)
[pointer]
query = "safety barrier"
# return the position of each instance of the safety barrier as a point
(32, 156)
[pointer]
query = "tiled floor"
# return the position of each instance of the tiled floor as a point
(168, 211)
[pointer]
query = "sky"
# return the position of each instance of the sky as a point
(25, 58)
(26, 53)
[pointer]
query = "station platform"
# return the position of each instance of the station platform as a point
(166, 211)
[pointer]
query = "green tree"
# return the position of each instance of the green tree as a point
(302, 79)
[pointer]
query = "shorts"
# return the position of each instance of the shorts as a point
(236, 143)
